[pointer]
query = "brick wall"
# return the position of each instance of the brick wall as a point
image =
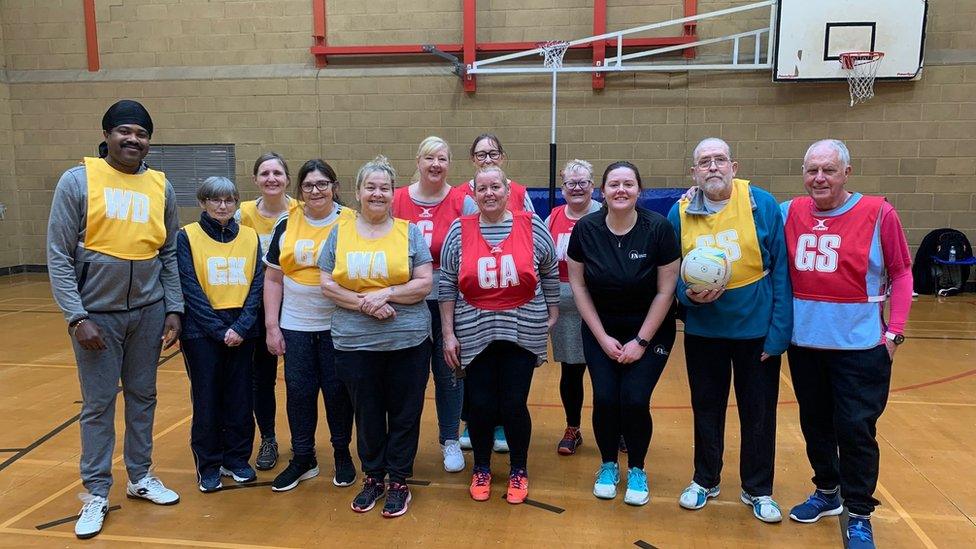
(914, 141)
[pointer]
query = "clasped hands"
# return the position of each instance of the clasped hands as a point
(376, 304)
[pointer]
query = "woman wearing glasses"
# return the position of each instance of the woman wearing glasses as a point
(567, 345)
(487, 150)
(623, 266)
(298, 321)
(271, 177)
(220, 273)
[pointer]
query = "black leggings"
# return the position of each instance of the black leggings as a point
(497, 388)
(571, 391)
(622, 392)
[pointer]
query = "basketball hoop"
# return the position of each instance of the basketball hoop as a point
(553, 52)
(861, 67)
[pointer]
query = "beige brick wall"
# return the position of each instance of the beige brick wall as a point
(914, 142)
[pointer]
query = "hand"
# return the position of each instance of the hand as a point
(87, 334)
(553, 317)
(631, 352)
(385, 312)
(764, 356)
(704, 296)
(275, 341)
(452, 351)
(610, 346)
(232, 339)
(373, 301)
(889, 344)
(690, 192)
(171, 329)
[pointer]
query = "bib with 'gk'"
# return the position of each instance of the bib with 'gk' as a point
(224, 269)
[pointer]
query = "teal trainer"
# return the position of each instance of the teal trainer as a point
(637, 493)
(696, 496)
(607, 478)
(763, 507)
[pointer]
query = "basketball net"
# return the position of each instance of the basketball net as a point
(862, 68)
(553, 52)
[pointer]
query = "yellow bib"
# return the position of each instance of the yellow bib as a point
(732, 229)
(125, 211)
(224, 269)
(251, 217)
(364, 264)
(302, 244)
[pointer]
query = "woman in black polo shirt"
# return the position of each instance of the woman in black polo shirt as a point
(623, 265)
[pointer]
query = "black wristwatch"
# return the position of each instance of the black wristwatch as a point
(897, 339)
(641, 341)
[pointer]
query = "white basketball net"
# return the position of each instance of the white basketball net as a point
(862, 68)
(553, 53)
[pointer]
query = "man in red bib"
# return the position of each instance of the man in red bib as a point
(846, 252)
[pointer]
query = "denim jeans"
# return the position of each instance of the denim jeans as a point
(448, 391)
(310, 368)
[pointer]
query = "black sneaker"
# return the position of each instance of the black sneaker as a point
(296, 472)
(345, 471)
(397, 500)
(267, 454)
(373, 490)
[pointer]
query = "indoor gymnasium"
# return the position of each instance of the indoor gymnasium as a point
(212, 211)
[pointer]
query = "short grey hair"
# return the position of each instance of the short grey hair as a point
(577, 165)
(492, 168)
(710, 141)
(217, 187)
(380, 164)
(837, 145)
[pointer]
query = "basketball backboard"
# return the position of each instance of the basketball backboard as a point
(811, 35)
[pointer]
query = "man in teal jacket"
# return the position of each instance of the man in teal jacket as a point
(742, 327)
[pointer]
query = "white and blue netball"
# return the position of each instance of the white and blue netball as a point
(706, 268)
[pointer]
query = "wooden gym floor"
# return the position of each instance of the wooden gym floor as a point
(927, 486)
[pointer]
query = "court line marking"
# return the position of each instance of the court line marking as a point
(933, 403)
(9, 450)
(906, 516)
(50, 434)
(66, 520)
(6, 524)
(28, 310)
(66, 366)
(644, 545)
(140, 540)
(237, 486)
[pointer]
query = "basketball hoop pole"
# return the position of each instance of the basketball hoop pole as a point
(552, 147)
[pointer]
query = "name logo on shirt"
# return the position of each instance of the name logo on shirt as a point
(367, 265)
(226, 271)
(635, 255)
(126, 205)
(495, 250)
(425, 212)
(562, 244)
(500, 273)
(817, 252)
(820, 226)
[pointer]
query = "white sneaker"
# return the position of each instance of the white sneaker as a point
(696, 496)
(764, 508)
(465, 440)
(453, 457)
(152, 488)
(91, 517)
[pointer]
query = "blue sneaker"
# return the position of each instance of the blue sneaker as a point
(241, 474)
(764, 508)
(696, 496)
(210, 483)
(465, 439)
(859, 533)
(819, 504)
(607, 478)
(501, 443)
(637, 493)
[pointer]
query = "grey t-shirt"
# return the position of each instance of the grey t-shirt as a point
(356, 331)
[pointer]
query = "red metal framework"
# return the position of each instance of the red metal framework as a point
(470, 48)
(91, 36)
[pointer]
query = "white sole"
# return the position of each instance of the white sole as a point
(827, 513)
(225, 472)
(311, 473)
(742, 498)
(630, 500)
(704, 503)
(605, 495)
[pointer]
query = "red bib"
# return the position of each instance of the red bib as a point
(561, 227)
(516, 196)
(829, 254)
(433, 221)
(502, 277)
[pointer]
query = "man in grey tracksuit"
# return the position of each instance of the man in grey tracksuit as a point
(120, 311)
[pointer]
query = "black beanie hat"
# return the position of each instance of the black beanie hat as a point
(127, 111)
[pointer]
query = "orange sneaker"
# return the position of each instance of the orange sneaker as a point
(518, 486)
(480, 489)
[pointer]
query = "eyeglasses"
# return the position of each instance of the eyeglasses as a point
(222, 201)
(584, 184)
(322, 186)
(480, 156)
(705, 163)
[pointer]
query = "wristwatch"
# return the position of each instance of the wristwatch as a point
(897, 339)
(641, 341)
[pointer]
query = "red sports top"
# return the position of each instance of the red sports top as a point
(830, 253)
(560, 227)
(433, 221)
(516, 197)
(502, 277)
